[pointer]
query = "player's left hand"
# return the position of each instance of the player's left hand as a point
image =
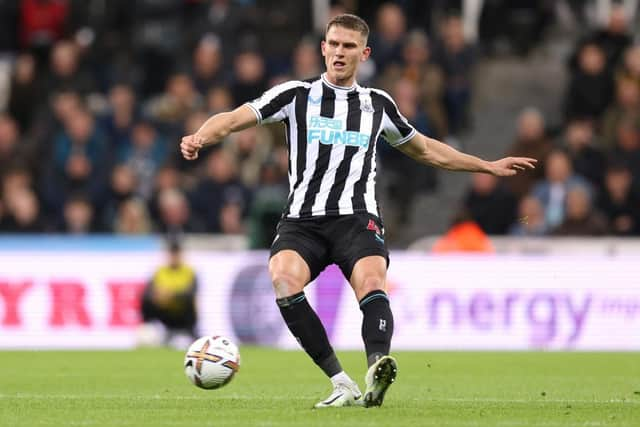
(510, 166)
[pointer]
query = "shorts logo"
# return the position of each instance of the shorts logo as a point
(383, 325)
(371, 225)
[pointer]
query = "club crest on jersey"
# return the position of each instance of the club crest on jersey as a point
(366, 105)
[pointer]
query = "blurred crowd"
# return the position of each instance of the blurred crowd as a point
(588, 178)
(95, 95)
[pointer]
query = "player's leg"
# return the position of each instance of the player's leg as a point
(368, 281)
(362, 255)
(290, 273)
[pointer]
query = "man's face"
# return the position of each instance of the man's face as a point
(343, 50)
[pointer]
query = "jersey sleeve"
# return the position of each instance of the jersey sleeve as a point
(275, 104)
(396, 129)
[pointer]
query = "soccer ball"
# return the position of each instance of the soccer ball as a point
(211, 362)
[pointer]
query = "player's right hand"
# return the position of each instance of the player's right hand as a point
(190, 146)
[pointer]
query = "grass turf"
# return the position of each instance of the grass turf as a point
(276, 388)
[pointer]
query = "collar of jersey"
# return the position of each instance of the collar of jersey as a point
(331, 85)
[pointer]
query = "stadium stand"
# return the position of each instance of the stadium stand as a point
(94, 97)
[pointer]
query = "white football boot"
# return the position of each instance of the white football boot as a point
(345, 393)
(378, 379)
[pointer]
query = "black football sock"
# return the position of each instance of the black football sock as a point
(306, 327)
(377, 325)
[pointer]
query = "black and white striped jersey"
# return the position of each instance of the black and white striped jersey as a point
(331, 134)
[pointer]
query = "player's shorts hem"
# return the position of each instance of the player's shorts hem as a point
(315, 265)
(347, 267)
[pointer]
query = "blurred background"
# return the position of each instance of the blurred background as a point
(96, 94)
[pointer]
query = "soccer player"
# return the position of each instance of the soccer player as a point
(332, 125)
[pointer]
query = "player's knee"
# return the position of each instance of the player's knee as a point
(284, 283)
(371, 283)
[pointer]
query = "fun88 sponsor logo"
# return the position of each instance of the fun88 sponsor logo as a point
(329, 132)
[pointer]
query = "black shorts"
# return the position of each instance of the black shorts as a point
(341, 240)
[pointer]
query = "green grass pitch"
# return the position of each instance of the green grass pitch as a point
(278, 388)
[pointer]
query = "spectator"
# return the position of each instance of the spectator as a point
(23, 212)
(387, 38)
(428, 77)
(207, 68)
(169, 299)
(12, 150)
(531, 221)
(219, 187)
(178, 101)
(397, 165)
(78, 216)
(122, 187)
(630, 68)
(591, 85)
(119, 119)
(586, 158)
(456, 57)
(147, 152)
(250, 149)
(552, 192)
(219, 99)
(627, 148)
(63, 106)
(306, 61)
(250, 79)
(231, 218)
(174, 213)
(613, 39)
(625, 107)
(581, 219)
(167, 178)
(15, 178)
(618, 202)
(269, 199)
(25, 96)
(65, 71)
(490, 205)
(531, 141)
(80, 162)
(132, 218)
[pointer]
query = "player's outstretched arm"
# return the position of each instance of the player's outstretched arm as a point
(432, 152)
(215, 129)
